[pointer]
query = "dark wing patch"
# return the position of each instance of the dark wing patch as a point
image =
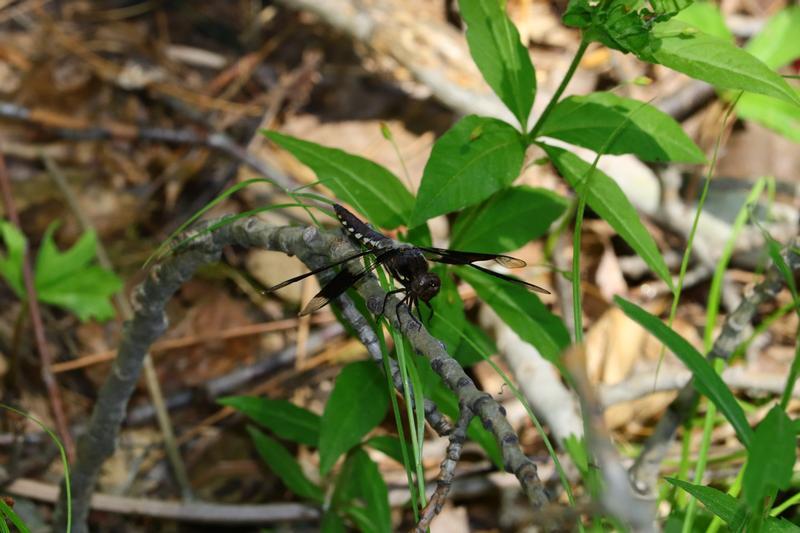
(315, 271)
(455, 257)
(341, 282)
(517, 281)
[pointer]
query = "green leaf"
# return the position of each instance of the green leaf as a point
(11, 265)
(370, 489)
(388, 445)
(68, 280)
(776, 115)
(284, 465)
(644, 131)
(471, 161)
(777, 43)
(716, 61)
(450, 324)
(522, 311)
(357, 404)
(606, 198)
(779, 525)
(370, 188)
(502, 59)
(772, 455)
(720, 503)
(283, 418)
(706, 380)
(507, 220)
(332, 522)
(707, 17)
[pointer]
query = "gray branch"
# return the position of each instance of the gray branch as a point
(313, 247)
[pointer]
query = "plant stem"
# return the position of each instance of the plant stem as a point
(562, 86)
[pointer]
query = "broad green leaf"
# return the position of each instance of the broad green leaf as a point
(283, 418)
(720, 503)
(606, 198)
(284, 465)
(508, 220)
(644, 131)
(69, 280)
(780, 525)
(371, 491)
(450, 324)
(502, 59)
(11, 265)
(471, 161)
(716, 61)
(332, 522)
(370, 188)
(706, 17)
(357, 404)
(777, 115)
(778, 42)
(388, 445)
(772, 455)
(522, 311)
(706, 380)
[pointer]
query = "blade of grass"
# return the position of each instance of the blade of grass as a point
(577, 309)
(64, 461)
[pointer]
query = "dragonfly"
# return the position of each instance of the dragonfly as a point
(407, 264)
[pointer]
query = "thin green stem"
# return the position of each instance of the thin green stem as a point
(573, 66)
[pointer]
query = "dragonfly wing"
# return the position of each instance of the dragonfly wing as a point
(456, 257)
(517, 281)
(315, 271)
(341, 282)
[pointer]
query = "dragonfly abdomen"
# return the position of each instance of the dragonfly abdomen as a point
(359, 230)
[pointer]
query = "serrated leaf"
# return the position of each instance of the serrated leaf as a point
(777, 115)
(644, 131)
(772, 455)
(500, 56)
(706, 380)
(721, 504)
(707, 17)
(357, 404)
(606, 198)
(507, 220)
(285, 466)
(67, 279)
(777, 44)
(11, 264)
(370, 188)
(704, 57)
(522, 311)
(464, 169)
(283, 418)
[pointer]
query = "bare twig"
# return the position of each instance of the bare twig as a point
(46, 358)
(151, 376)
(149, 321)
(447, 471)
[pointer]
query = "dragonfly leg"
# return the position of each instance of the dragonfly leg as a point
(429, 307)
(386, 299)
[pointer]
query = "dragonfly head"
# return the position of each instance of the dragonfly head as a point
(426, 286)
